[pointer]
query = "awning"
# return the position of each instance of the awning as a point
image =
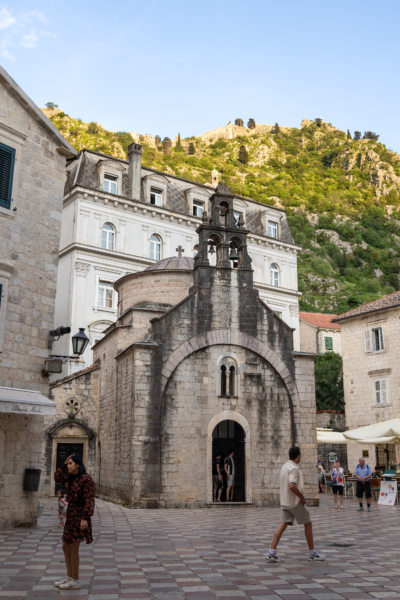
(25, 402)
(386, 432)
(328, 436)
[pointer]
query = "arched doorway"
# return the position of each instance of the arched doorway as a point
(229, 435)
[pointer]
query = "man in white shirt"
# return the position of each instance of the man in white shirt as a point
(293, 506)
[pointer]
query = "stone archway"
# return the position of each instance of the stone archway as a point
(236, 338)
(71, 433)
(229, 415)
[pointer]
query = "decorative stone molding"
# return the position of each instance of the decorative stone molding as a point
(82, 269)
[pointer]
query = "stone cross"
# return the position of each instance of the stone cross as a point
(179, 250)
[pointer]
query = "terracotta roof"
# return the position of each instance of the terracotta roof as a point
(384, 303)
(323, 320)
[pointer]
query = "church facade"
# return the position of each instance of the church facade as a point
(195, 364)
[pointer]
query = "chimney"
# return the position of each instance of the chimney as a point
(134, 171)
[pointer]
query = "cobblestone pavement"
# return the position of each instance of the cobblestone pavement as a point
(210, 553)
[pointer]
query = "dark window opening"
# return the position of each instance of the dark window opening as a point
(7, 156)
(223, 380)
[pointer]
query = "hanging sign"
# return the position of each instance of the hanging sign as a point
(332, 457)
(388, 493)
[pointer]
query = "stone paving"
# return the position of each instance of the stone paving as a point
(202, 554)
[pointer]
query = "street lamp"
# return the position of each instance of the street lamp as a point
(79, 341)
(53, 364)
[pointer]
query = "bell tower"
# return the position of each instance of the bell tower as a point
(222, 232)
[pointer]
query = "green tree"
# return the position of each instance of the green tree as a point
(357, 135)
(329, 381)
(51, 105)
(276, 128)
(243, 156)
(348, 135)
(92, 128)
(167, 145)
(370, 135)
(318, 122)
(191, 149)
(239, 122)
(251, 124)
(157, 140)
(178, 145)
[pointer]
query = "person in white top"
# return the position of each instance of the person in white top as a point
(337, 484)
(293, 506)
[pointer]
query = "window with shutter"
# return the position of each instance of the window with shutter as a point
(7, 156)
(367, 340)
(381, 391)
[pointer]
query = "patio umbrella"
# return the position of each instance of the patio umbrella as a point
(386, 432)
(328, 436)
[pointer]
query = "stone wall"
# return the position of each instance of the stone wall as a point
(17, 507)
(77, 399)
(360, 371)
(29, 244)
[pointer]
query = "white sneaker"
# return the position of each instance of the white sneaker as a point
(314, 555)
(71, 584)
(272, 558)
(61, 581)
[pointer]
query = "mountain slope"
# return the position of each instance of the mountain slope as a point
(342, 195)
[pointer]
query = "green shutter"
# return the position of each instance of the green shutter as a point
(7, 156)
(328, 343)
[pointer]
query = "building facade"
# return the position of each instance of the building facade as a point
(195, 364)
(371, 378)
(32, 175)
(120, 217)
(319, 334)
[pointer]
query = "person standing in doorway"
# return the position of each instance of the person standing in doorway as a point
(293, 506)
(80, 496)
(337, 484)
(229, 467)
(218, 480)
(363, 475)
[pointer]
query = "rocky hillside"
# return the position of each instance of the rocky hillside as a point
(342, 194)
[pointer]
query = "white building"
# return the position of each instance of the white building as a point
(119, 217)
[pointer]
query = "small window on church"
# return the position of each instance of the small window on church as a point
(223, 380)
(232, 380)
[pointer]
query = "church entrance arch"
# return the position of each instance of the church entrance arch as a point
(229, 435)
(230, 430)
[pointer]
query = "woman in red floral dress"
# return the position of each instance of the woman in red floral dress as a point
(80, 495)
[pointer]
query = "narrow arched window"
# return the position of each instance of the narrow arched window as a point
(274, 275)
(155, 247)
(108, 236)
(223, 380)
(232, 380)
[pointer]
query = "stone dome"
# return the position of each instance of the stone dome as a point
(173, 263)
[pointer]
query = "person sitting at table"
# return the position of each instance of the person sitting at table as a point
(363, 474)
(377, 472)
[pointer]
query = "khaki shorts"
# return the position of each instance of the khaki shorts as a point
(299, 512)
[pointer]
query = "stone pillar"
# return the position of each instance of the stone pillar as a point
(134, 171)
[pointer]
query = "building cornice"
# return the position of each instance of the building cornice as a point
(99, 197)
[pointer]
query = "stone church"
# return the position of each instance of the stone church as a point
(195, 364)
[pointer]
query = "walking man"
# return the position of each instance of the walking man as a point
(229, 467)
(363, 475)
(293, 506)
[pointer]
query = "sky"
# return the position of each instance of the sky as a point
(169, 66)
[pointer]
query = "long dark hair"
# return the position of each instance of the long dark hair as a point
(81, 468)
